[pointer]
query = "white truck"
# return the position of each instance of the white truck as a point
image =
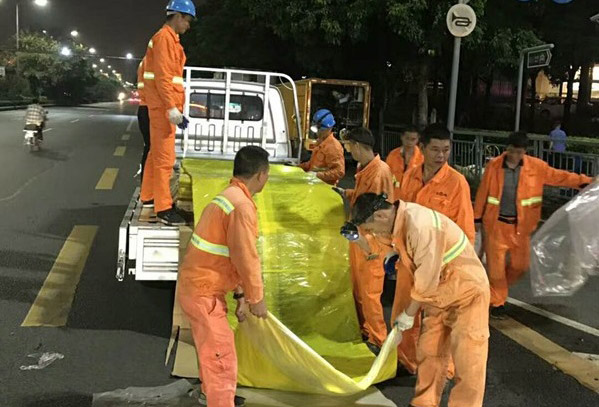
(227, 109)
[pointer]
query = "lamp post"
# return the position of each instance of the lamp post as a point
(40, 3)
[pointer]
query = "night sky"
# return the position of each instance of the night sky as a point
(113, 27)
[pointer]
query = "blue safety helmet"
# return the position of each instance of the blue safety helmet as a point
(182, 6)
(323, 119)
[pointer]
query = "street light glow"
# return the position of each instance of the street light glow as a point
(74, 33)
(109, 66)
(92, 50)
(129, 55)
(65, 51)
(102, 60)
(94, 66)
(41, 3)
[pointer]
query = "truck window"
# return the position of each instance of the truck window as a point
(212, 106)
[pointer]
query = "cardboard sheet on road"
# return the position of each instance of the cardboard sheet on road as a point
(311, 343)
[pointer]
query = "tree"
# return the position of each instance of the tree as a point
(576, 45)
(38, 61)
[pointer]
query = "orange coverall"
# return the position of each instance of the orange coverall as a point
(163, 87)
(222, 255)
(328, 160)
(448, 193)
(502, 238)
(450, 282)
(368, 276)
(399, 167)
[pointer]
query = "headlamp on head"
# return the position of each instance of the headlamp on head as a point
(350, 229)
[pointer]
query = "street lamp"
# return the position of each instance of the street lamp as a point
(92, 50)
(94, 66)
(102, 60)
(595, 19)
(129, 55)
(40, 3)
(65, 51)
(74, 33)
(109, 66)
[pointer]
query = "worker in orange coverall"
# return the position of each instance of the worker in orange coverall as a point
(327, 161)
(368, 277)
(508, 204)
(163, 87)
(222, 257)
(437, 186)
(449, 284)
(406, 157)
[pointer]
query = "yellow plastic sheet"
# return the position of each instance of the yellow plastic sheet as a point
(311, 343)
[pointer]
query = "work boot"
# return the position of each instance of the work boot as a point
(171, 217)
(498, 312)
(239, 401)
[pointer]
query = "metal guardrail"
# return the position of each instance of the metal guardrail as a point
(473, 149)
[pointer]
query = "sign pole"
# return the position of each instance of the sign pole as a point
(545, 48)
(461, 21)
(519, 94)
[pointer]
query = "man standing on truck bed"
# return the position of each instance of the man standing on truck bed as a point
(222, 257)
(508, 204)
(327, 158)
(367, 273)
(163, 87)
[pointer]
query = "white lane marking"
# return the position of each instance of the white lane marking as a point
(557, 318)
(25, 185)
(130, 124)
(92, 115)
(47, 130)
(74, 121)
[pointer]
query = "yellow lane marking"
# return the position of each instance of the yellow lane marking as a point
(54, 300)
(586, 372)
(125, 137)
(107, 179)
(120, 151)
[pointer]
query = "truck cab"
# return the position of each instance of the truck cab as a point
(227, 110)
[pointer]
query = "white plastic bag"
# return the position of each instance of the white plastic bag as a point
(565, 250)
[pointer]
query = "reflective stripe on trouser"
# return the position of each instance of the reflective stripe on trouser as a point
(498, 244)
(215, 345)
(160, 161)
(368, 278)
(461, 332)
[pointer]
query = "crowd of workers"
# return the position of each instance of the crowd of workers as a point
(412, 215)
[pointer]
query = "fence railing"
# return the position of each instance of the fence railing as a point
(472, 149)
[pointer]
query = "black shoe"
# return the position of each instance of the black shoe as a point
(171, 218)
(498, 312)
(373, 348)
(239, 401)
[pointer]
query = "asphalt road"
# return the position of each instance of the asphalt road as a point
(116, 333)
